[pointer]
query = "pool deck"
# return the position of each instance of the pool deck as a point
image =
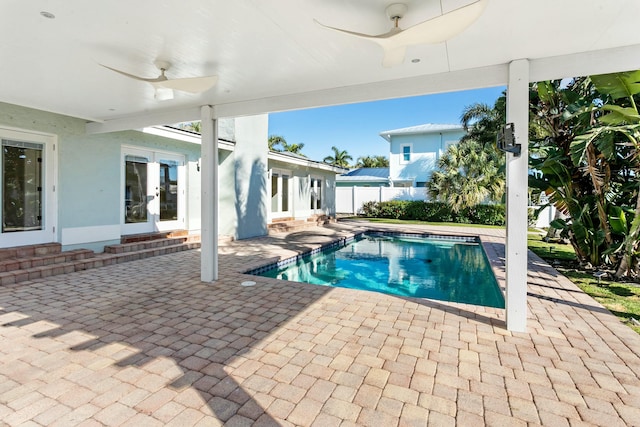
(145, 343)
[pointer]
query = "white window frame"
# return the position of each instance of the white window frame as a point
(323, 193)
(280, 213)
(402, 147)
(48, 233)
(154, 224)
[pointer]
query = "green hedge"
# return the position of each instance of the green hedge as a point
(434, 212)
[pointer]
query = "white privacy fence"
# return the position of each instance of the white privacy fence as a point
(350, 199)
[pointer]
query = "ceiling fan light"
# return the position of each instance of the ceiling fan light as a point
(163, 93)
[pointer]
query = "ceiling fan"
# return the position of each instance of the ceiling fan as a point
(435, 30)
(165, 86)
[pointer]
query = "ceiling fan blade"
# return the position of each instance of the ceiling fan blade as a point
(191, 84)
(143, 79)
(441, 28)
(361, 35)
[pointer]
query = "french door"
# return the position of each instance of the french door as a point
(29, 210)
(153, 191)
(280, 193)
(317, 195)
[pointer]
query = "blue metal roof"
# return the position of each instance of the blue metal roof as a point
(365, 174)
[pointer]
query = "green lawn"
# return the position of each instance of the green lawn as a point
(550, 251)
(622, 299)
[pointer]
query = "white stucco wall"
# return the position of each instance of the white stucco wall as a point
(300, 192)
(250, 165)
(426, 150)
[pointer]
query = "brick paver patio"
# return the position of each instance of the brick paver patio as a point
(146, 343)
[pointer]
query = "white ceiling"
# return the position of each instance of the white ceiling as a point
(269, 55)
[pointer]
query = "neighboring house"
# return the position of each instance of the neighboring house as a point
(413, 155)
(364, 177)
(60, 184)
(300, 188)
(414, 151)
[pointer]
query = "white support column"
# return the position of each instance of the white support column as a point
(517, 198)
(209, 196)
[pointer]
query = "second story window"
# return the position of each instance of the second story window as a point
(406, 153)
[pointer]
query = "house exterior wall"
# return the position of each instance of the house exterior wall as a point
(88, 179)
(250, 164)
(300, 193)
(89, 170)
(426, 150)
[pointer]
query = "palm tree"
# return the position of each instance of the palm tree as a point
(482, 122)
(468, 175)
(372, 162)
(340, 158)
(293, 148)
(274, 141)
(192, 126)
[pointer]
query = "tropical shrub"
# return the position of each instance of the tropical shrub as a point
(434, 212)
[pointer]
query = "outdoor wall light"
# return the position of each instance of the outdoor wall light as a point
(506, 140)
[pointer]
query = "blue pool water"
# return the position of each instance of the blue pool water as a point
(437, 268)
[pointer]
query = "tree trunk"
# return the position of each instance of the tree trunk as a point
(630, 244)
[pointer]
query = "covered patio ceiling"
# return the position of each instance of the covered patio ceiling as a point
(271, 56)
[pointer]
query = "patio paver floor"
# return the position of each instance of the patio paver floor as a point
(146, 343)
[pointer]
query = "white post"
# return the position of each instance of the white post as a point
(209, 196)
(517, 183)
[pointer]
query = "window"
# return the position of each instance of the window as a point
(406, 154)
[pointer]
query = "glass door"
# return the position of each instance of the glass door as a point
(280, 194)
(153, 192)
(169, 191)
(27, 190)
(316, 194)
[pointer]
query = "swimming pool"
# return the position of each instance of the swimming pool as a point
(446, 268)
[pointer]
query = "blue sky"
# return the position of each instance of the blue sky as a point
(356, 127)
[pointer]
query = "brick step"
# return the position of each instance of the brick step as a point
(150, 244)
(283, 219)
(30, 250)
(321, 220)
(293, 226)
(284, 225)
(25, 263)
(134, 238)
(94, 261)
